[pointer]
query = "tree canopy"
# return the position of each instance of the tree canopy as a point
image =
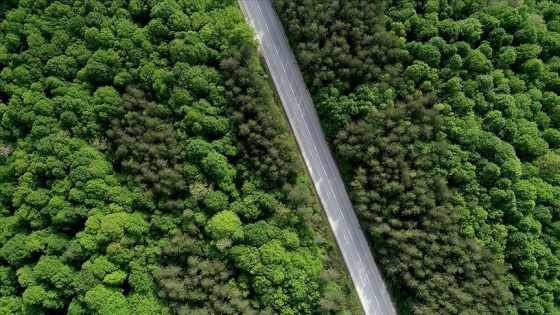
(140, 146)
(443, 116)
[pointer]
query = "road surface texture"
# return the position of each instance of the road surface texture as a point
(303, 119)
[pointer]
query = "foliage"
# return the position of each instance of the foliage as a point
(139, 141)
(448, 142)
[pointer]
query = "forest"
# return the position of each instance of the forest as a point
(146, 168)
(444, 116)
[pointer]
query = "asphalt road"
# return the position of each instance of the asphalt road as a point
(303, 119)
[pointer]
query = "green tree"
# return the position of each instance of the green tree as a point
(548, 167)
(63, 67)
(470, 30)
(102, 300)
(223, 224)
(101, 67)
(477, 62)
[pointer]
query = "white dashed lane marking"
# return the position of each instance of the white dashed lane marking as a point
(304, 122)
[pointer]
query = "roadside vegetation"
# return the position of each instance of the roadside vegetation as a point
(445, 119)
(145, 168)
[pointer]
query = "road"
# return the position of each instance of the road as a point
(324, 173)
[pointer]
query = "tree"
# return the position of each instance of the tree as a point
(190, 50)
(470, 30)
(223, 224)
(146, 146)
(216, 201)
(548, 167)
(534, 68)
(146, 305)
(449, 30)
(16, 252)
(526, 52)
(258, 233)
(430, 54)
(104, 301)
(101, 67)
(106, 101)
(246, 257)
(218, 169)
(520, 254)
(477, 62)
(64, 67)
(506, 57)
(552, 137)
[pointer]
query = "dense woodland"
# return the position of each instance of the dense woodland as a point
(145, 168)
(445, 118)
